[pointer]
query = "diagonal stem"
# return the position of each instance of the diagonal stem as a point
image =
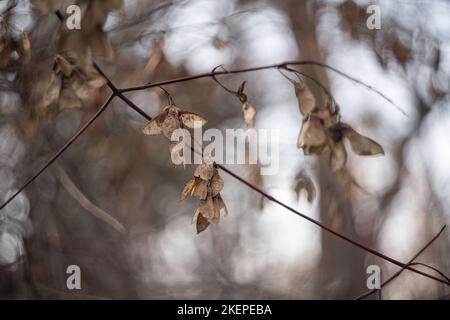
(119, 93)
(60, 151)
(410, 262)
(324, 227)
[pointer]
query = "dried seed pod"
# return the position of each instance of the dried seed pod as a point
(216, 184)
(313, 136)
(62, 65)
(202, 223)
(170, 124)
(338, 156)
(192, 120)
(187, 190)
(220, 204)
(360, 144)
(306, 100)
(206, 186)
(249, 115)
(25, 49)
(205, 171)
(200, 190)
(170, 119)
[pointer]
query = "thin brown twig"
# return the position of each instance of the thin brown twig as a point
(282, 65)
(395, 275)
(60, 151)
(324, 227)
(119, 93)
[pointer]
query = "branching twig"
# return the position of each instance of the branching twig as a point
(410, 262)
(283, 65)
(119, 92)
(60, 151)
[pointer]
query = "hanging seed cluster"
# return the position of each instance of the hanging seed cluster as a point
(322, 131)
(206, 185)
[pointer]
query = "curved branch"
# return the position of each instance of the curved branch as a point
(282, 65)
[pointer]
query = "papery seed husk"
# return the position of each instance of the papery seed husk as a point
(216, 184)
(169, 125)
(195, 217)
(338, 156)
(206, 207)
(312, 135)
(187, 188)
(200, 190)
(202, 223)
(360, 144)
(306, 100)
(152, 128)
(249, 114)
(220, 204)
(192, 120)
(204, 171)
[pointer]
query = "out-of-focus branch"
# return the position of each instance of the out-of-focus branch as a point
(97, 212)
(60, 151)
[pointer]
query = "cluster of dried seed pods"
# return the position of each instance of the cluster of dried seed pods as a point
(323, 131)
(171, 119)
(206, 185)
(72, 82)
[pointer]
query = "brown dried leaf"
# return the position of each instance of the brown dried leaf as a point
(202, 223)
(153, 127)
(312, 138)
(205, 171)
(53, 91)
(220, 204)
(206, 208)
(169, 125)
(338, 156)
(216, 184)
(249, 114)
(192, 120)
(360, 144)
(306, 100)
(63, 65)
(200, 189)
(187, 189)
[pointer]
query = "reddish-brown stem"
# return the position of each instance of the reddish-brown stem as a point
(395, 275)
(119, 93)
(324, 227)
(282, 65)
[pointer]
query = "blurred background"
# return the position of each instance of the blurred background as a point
(115, 177)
